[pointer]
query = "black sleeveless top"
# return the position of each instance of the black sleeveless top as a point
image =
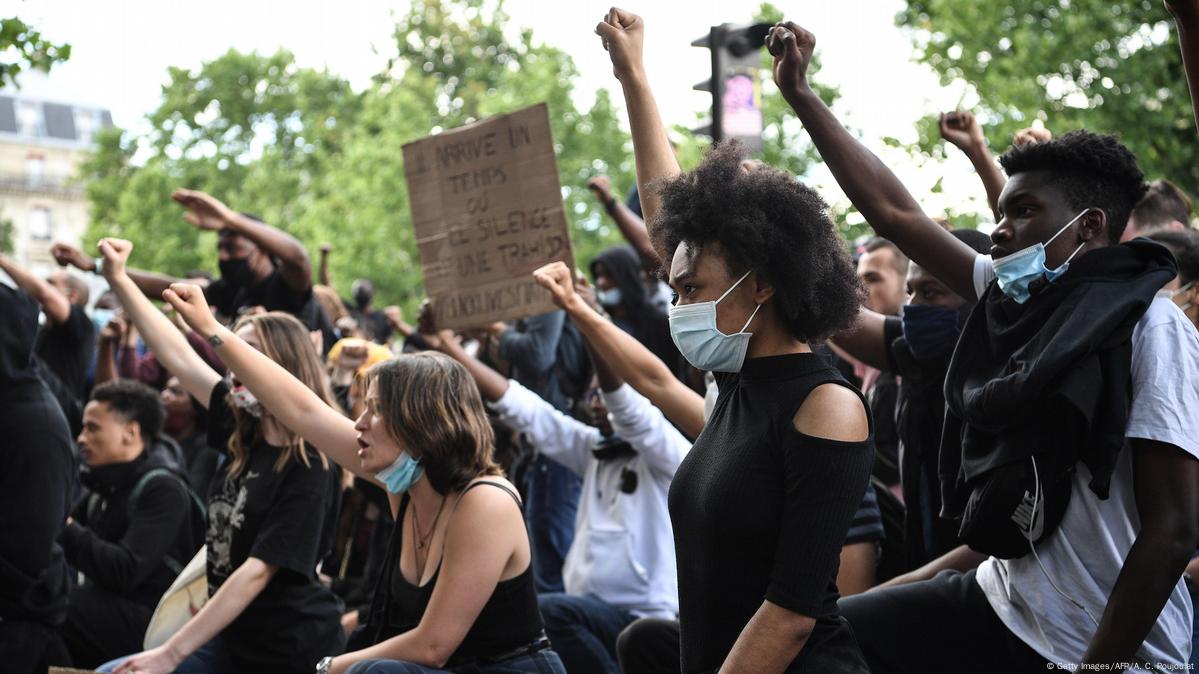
(760, 511)
(509, 620)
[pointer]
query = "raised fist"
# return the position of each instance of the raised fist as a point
(622, 35)
(203, 210)
(69, 255)
(962, 129)
(792, 47)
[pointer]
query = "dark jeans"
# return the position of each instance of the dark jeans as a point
(649, 646)
(101, 626)
(583, 629)
(30, 648)
(551, 501)
(542, 662)
(211, 658)
(939, 625)
(1195, 628)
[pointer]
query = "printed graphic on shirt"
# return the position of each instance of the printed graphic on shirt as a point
(226, 514)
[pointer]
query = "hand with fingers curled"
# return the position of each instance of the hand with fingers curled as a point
(204, 211)
(623, 34)
(792, 46)
(69, 255)
(961, 128)
(1033, 134)
(189, 302)
(557, 278)
(116, 254)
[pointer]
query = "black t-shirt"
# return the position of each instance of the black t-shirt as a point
(67, 349)
(760, 512)
(285, 518)
(273, 294)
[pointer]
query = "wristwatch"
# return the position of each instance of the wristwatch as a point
(322, 667)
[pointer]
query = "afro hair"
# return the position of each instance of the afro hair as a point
(766, 220)
(1094, 171)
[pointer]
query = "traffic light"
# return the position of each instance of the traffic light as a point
(735, 84)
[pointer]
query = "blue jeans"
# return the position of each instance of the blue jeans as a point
(583, 629)
(551, 501)
(542, 662)
(211, 658)
(1195, 628)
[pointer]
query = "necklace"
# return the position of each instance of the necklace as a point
(422, 542)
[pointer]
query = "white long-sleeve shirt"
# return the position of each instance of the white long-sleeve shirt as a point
(623, 550)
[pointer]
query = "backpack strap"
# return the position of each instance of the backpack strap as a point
(131, 505)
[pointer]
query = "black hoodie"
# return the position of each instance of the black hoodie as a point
(37, 471)
(642, 318)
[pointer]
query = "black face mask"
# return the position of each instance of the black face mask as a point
(362, 298)
(236, 271)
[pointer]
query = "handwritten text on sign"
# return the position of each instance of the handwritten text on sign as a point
(487, 210)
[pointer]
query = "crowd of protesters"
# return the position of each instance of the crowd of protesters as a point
(743, 444)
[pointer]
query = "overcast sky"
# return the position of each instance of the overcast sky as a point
(121, 50)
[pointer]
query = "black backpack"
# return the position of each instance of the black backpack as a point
(199, 511)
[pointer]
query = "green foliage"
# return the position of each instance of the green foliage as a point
(1109, 67)
(23, 48)
(303, 151)
(7, 236)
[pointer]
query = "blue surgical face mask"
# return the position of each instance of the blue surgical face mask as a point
(102, 317)
(609, 297)
(1016, 271)
(401, 474)
(693, 328)
(930, 331)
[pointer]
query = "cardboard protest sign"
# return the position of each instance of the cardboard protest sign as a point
(487, 210)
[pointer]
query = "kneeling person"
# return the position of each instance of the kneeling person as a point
(132, 533)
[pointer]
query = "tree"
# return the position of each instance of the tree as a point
(1111, 67)
(23, 48)
(303, 151)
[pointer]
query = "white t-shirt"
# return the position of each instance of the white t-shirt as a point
(1086, 552)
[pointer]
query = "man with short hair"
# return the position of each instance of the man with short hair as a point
(883, 270)
(1164, 207)
(134, 531)
(1069, 448)
(372, 322)
(1184, 289)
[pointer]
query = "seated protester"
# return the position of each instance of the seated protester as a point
(652, 644)
(1164, 207)
(457, 588)
(186, 422)
(261, 265)
(271, 507)
(621, 564)
(620, 283)
(1183, 290)
(67, 341)
(37, 477)
(547, 357)
(1083, 454)
(917, 347)
(133, 532)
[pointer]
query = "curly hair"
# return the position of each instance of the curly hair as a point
(1094, 171)
(766, 220)
(133, 401)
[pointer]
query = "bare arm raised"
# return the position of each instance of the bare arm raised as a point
(288, 399)
(628, 358)
(162, 337)
(869, 184)
(623, 35)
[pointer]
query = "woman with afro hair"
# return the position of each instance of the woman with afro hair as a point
(763, 501)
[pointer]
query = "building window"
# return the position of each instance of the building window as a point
(39, 224)
(29, 119)
(35, 169)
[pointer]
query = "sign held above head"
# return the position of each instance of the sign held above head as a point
(487, 210)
